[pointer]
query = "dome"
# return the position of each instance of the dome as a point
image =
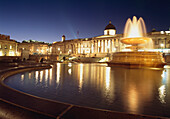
(110, 26)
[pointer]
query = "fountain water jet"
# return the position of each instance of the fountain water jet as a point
(135, 35)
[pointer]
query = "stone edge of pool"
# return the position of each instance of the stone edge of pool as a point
(54, 109)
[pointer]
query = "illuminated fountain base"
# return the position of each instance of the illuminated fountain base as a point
(137, 59)
(135, 41)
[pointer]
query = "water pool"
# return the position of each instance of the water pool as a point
(138, 91)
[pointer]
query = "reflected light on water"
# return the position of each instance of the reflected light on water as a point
(81, 77)
(69, 64)
(46, 74)
(46, 77)
(30, 75)
(133, 100)
(41, 76)
(107, 78)
(139, 91)
(162, 94)
(36, 77)
(22, 77)
(50, 77)
(69, 71)
(58, 72)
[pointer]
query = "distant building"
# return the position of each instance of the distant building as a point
(8, 47)
(161, 39)
(32, 47)
(96, 46)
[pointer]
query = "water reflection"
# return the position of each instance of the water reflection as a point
(140, 91)
(162, 94)
(58, 72)
(81, 77)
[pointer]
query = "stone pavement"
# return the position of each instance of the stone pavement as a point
(16, 105)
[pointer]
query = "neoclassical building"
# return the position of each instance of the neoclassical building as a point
(106, 44)
(96, 46)
(8, 47)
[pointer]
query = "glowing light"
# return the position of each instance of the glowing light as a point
(58, 72)
(102, 46)
(29, 75)
(50, 76)
(58, 48)
(36, 77)
(11, 53)
(70, 64)
(162, 94)
(135, 34)
(105, 45)
(134, 28)
(78, 50)
(107, 78)
(42, 51)
(81, 77)
(162, 45)
(1, 53)
(37, 49)
(99, 43)
(41, 76)
(22, 77)
(69, 71)
(133, 99)
(108, 46)
(46, 74)
(10, 47)
(92, 48)
(109, 32)
(105, 59)
(162, 32)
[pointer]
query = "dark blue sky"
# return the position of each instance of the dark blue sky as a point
(48, 20)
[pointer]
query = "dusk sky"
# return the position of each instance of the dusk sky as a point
(48, 20)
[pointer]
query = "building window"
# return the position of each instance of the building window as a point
(10, 47)
(5, 46)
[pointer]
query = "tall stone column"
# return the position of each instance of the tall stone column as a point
(102, 46)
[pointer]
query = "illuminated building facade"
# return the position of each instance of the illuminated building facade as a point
(106, 44)
(161, 40)
(8, 47)
(96, 46)
(34, 47)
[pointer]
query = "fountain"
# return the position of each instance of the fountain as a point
(136, 37)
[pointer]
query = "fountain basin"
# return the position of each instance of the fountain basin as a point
(137, 59)
(135, 40)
